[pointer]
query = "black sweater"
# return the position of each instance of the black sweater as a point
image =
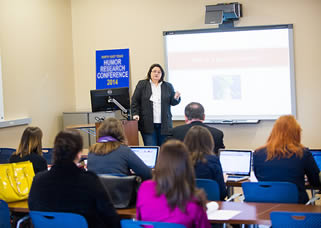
(66, 188)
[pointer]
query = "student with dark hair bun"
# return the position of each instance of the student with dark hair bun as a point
(30, 149)
(172, 195)
(67, 188)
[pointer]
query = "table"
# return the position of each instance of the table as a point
(250, 213)
(19, 206)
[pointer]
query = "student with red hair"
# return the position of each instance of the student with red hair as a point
(284, 158)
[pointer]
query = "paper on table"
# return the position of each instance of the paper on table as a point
(221, 214)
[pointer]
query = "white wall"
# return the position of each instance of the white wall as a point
(48, 55)
(37, 67)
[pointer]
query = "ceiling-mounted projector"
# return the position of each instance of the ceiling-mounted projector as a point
(223, 13)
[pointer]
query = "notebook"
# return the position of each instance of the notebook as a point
(236, 164)
(148, 154)
(316, 153)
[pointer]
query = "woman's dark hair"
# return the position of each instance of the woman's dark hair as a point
(151, 69)
(67, 145)
(30, 142)
(200, 142)
(110, 127)
(174, 176)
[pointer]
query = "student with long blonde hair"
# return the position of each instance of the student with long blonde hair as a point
(111, 155)
(30, 149)
(284, 158)
(172, 195)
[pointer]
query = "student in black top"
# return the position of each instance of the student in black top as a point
(67, 188)
(200, 143)
(30, 149)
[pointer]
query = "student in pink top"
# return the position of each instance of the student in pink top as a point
(172, 195)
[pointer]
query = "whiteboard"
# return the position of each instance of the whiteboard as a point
(240, 73)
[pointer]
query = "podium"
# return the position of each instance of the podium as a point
(131, 131)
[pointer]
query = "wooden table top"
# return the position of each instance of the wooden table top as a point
(250, 213)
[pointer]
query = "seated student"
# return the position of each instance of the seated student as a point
(172, 196)
(207, 165)
(111, 154)
(30, 149)
(195, 116)
(67, 188)
(284, 158)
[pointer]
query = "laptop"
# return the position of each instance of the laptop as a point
(236, 164)
(316, 153)
(148, 154)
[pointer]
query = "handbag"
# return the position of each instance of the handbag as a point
(15, 180)
(122, 190)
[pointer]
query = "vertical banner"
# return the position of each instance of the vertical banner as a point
(112, 68)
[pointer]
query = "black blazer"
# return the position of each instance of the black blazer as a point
(179, 133)
(67, 188)
(142, 106)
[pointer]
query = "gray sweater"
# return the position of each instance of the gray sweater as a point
(119, 161)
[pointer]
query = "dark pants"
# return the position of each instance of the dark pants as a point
(154, 139)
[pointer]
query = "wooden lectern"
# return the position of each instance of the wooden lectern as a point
(131, 131)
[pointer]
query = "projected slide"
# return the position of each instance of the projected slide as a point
(235, 74)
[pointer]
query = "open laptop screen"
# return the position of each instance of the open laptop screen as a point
(316, 153)
(148, 154)
(236, 162)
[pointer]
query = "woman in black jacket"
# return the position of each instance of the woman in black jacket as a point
(151, 106)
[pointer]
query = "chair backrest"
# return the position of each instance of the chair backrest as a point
(295, 219)
(5, 154)
(121, 189)
(46, 219)
(210, 187)
(270, 192)
(47, 154)
(4, 215)
(126, 223)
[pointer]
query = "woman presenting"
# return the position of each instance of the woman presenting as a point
(151, 106)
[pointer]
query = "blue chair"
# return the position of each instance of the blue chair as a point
(47, 154)
(46, 219)
(270, 192)
(5, 154)
(210, 187)
(295, 219)
(126, 223)
(4, 215)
